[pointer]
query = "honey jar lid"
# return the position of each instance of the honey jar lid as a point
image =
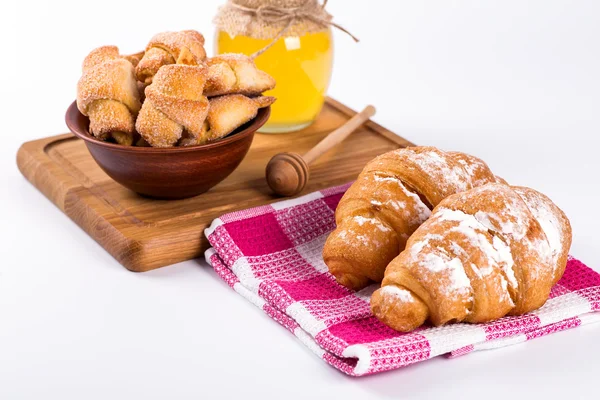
(270, 19)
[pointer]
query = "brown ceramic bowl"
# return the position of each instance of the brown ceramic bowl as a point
(171, 173)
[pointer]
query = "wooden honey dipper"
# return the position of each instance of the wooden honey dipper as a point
(288, 173)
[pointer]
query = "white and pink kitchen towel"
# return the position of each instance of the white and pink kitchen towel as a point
(271, 255)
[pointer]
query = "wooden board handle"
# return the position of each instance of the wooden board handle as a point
(339, 134)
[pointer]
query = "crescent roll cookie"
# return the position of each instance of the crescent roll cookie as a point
(226, 114)
(174, 105)
(159, 97)
(184, 47)
(236, 73)
(107, 93)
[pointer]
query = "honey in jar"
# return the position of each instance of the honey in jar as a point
(301, 65)
(292, 41)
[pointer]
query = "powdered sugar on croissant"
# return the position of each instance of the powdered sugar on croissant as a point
(483, 254)
(391, 198)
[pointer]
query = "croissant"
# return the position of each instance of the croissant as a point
(236, 73)
(485, 253)
(391, 198)
(184, 47)
(174, 104)
(107, 93)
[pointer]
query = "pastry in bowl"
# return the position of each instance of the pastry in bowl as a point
(184, 47)
(174, 104)
(182, 99)
(236, 73)
(226, 114)
(107, 93)
(151, 124)
(173, 172)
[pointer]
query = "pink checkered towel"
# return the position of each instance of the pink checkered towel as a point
(271, 255)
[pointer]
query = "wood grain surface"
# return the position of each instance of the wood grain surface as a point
(143, 233)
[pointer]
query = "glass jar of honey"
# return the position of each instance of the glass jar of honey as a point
(301, 65)
(292, 41)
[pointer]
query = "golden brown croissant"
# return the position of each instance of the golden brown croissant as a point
(174, 104)
(184, 47)
(107, 93)
(485, 253)
(236, 73)
(392, 196)
(226, 114)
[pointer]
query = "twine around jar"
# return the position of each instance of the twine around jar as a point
(271, 14)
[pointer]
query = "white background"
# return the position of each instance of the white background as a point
(514, 82)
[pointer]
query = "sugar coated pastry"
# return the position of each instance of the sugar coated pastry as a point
(391, 198)
(236, 73)
(108, 94)
(226, 114)
(184, 47)
(174, 104)
(159, 97)
(492, 251)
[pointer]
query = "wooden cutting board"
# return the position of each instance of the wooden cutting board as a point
(142, 233)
